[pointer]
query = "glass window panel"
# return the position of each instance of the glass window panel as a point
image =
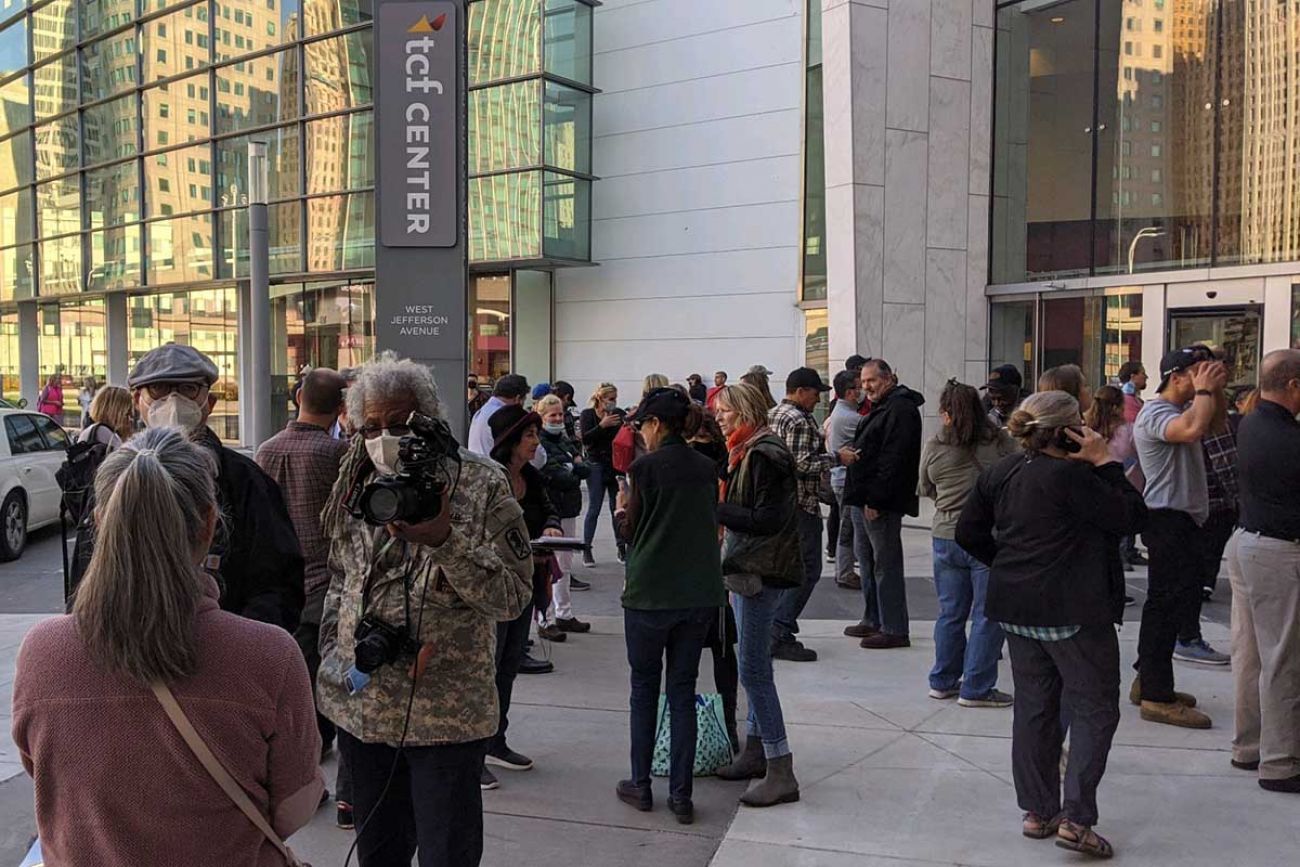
(339, 73)
(54, 29)
(252, 27)
(340, 153)
(164, 49)
(180, 250)
(489, 304)
(57, 144)
(504, 40)
(16, 218)
(566, 220)
(283, 157)
(72, 346)
(1042, 152)
(110, 130)
(16, 160)
(816, 346)
(568, 128)
(17, 266)
(208, 320)
(505, 127)
(177, 112)
(1155, 149)
(10, 387)
(1071, 334)
(178, 182)
(504, 215)
(1122, 336)
(109, 65)
(567, 33)
(814, 8)
(284, 236)
(814, 203)
(285, 23)
(15, 105)
(115, 258)
(1236, 332)
(341, 232)
(113, 195)
(257, 92)
(1011, 336)
(58, 207)
(60, 266)
(100, 16)
(328, 17)
(55, 87)
(13, 45)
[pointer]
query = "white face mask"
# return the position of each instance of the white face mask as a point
(383, 452)
(174, 411)
(554, 428)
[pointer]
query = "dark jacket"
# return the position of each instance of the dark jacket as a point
(255, 556)
(563, 477)
(672, 530)
(760, 515)
(597, 441)
(889, 444)
(539, 511)
(1049, 530)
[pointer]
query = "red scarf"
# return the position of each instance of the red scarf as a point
(739, 442)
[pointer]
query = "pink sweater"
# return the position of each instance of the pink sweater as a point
(116, 784)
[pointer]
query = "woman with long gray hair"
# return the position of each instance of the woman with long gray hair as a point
(89, 713)
(1047, 522)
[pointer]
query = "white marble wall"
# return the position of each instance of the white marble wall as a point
(908, 87)
(696, 218)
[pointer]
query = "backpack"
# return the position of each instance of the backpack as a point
(624, 449)
(77, 475)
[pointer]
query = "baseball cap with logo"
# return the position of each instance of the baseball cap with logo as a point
(805, 377)
(1006, 377)
(1180, 360)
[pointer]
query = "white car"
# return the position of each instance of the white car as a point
(31, 451)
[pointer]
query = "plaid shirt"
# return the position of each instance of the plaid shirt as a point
(304, 461)
(1221, 470)
(1041, 633)
(804, 438)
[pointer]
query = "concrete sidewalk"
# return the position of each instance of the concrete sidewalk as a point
(889, 776)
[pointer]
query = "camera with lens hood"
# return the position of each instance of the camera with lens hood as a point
(414, 495)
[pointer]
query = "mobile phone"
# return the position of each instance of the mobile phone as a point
(1064, 443)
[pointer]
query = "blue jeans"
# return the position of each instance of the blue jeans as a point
(601, 486)
(785, 625)
(754, 624)
(679, 634)
(866, 562)
(962, 582)
(853, 543)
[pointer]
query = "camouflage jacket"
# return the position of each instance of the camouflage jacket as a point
(458, 592)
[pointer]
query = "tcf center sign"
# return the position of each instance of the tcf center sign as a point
(418, 88)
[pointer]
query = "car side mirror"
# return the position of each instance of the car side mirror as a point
(22, 403)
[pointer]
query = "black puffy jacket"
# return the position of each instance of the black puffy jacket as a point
(889, 444)
(760, 515)
(563, 477)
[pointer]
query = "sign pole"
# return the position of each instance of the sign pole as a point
(421, 251)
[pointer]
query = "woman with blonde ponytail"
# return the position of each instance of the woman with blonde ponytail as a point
(88, 717)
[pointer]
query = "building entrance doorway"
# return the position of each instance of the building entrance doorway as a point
(1236, 330)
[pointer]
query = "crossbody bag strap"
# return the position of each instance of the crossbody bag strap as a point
(217, 771)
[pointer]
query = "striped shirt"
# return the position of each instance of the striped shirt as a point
(1041, 633)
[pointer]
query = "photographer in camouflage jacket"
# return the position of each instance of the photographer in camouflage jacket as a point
(443, 584)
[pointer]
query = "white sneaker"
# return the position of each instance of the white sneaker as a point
(830, 558)
(944, 694)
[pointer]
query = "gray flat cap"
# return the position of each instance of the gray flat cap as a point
(173, 362)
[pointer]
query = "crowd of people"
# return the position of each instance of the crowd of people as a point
(367, 582)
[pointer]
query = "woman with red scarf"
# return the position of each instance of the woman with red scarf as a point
(760, 559)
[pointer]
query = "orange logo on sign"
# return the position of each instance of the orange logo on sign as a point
(424, 26)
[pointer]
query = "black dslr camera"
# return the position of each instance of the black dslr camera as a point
(414, 495)
(378, 643)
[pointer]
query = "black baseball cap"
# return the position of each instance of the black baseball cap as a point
(805, 377)
(1180, 360)
(511, 385)
(1005, 376)
(845, 380)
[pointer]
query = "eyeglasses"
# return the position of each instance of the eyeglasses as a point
(187, 390)
(371, 431)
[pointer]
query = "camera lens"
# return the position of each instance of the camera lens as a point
(371, 652)
(383, 505)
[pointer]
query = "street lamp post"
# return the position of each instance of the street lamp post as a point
(258, 405)
(1148, 232)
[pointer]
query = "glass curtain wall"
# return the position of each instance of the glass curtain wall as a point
(813, 269)
(1139, 135)
(530, 130)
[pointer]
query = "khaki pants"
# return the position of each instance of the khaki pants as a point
(1265, 576)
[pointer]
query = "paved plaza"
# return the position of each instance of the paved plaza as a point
(890, 777)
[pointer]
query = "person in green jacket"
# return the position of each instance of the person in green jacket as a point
(673, 592)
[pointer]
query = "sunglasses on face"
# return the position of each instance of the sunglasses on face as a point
(371, 431)
(187, 390)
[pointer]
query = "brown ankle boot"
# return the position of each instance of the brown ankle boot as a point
(778, 787)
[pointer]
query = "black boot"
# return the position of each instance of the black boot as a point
(751, 764)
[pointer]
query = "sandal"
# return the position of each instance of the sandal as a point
(1035, 827)
(1080, 838)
